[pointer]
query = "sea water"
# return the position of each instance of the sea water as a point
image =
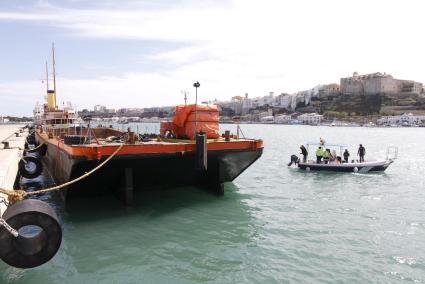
(274, 224)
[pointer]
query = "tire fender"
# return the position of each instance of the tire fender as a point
(30, 249)
(27, 173)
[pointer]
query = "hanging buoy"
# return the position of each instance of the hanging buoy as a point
(355, 169)
(40, 234)
(30, 167)
(307, 169)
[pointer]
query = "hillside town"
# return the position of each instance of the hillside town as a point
(376, 98)
(377, 94)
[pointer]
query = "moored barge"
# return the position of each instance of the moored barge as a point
(69, 154)
(188, 151)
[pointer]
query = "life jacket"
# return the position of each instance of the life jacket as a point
(326, 154)
(319, 152)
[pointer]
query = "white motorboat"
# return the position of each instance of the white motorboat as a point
(338, 165)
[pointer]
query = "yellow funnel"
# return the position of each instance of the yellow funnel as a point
(51, 99)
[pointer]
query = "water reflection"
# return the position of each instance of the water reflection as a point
(186, 230)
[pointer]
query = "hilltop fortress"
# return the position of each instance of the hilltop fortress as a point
(378, 84)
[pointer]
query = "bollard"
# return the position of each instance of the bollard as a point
(5, 144)
(227, 135)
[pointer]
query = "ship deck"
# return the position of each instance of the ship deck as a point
(101, 145)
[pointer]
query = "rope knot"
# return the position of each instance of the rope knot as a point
(16, 195)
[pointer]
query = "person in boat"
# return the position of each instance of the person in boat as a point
(333, 158)
(361, 152)
(294, 160)
(304, 153)
(346, 155)
(319, 155)
(327, 156)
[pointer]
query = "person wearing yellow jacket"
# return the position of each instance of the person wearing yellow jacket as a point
(327, 156)
(319, 155)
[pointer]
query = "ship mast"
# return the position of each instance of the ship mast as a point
(54, 71)
(47, 76)
(51, 94)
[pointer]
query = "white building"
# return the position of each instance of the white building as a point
(99, 108)
(284, 119)
(267, 113)
(310, 118)
(403, 119)
(269, 118)
(3, 119)
(308, 94)
(285, 101)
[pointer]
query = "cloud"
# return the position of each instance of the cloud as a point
(242, 46)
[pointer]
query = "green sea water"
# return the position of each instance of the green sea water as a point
(273, 225)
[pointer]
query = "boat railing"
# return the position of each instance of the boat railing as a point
(392, 153)
(58, 131)
(239, 130)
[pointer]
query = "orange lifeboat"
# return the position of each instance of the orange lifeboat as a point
(190, 119)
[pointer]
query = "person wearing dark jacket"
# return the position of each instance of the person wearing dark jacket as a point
(304, 153)
(361, 152)
(346, 155)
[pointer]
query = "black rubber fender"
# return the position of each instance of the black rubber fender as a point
(31, 250)
(31, 139)
(42, 150)
(35, 163)
(74, 139)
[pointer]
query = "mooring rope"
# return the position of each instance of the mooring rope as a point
(33, 149)
(17, 195)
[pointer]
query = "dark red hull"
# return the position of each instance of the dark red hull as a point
(148, 169)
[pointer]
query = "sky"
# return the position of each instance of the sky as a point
(145, 53)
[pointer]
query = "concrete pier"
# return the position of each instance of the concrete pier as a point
(9, 158)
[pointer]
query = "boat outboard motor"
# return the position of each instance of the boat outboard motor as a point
(294, 160)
